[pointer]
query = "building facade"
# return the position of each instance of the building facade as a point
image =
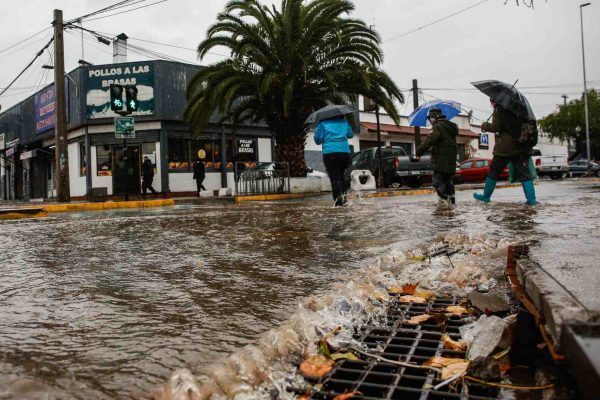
(97, 159)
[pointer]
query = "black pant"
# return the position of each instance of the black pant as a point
(520, 162)
(336, 164)
(443, 184)
(147, 184)
(199, 185)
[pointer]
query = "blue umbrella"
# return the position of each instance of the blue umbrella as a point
(419, 116)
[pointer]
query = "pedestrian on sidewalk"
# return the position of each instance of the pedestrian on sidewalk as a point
(442, 141)
(507, 149)
(147, 176)
(333, 135)
(199, 175)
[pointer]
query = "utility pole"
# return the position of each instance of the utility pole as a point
(61, 156)
(585, 98)
(415, 91)
(379, 152)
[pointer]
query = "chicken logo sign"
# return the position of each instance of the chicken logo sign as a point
(138, 75)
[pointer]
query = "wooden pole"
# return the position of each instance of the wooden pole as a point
(61, 156)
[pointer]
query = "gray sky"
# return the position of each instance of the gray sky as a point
(540, 47)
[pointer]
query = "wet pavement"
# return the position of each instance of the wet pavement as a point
(107, 304)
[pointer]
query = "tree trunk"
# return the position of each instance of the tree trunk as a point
(290, 149)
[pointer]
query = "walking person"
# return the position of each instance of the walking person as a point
(442, 141)
(508, 149)
(147, 176)
(199, 175)
(333, 135)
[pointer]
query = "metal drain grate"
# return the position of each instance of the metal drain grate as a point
(402, 342)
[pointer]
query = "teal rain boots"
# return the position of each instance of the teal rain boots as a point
(490, 185)
(529, 190)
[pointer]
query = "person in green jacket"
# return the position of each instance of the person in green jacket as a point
(507, 149)
(442, 140)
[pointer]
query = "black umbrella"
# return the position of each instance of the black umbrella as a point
(334, 111)
(507, 96)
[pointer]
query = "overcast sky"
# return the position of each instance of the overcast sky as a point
(540, 47)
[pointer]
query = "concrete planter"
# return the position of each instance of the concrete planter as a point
(309, 184)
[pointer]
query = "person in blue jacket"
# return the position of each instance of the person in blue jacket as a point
(333, 134)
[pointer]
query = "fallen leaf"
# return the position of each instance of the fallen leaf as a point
(315, 366)
(418, 258)
(346, 395)
(439, 318)
(457, 310)
(418, 319)
(303, 397)
(454, 369)
(426, 294)
(383, 297)
(395, 290)
(453, 344)
(412, 299)
(344, 356)
(441, 362)
(410, 288)
(323, 348)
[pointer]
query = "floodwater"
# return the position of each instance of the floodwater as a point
(106, 305)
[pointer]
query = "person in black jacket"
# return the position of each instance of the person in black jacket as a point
(199, 175)
(147, 176)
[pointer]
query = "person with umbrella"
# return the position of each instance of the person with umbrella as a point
(511, 112)
(442, 140)
(333, 132)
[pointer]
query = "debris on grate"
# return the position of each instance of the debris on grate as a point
(377, 378)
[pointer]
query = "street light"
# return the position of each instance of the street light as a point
(585, 99)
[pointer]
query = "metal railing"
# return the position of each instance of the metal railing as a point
(264, 178)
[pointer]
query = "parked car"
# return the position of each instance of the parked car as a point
(398, 167)
(580, 168)
(555, 166)
(476, 170)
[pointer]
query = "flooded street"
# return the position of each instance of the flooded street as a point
(106, 305)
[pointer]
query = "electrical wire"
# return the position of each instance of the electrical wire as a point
(435, 22)
(100, 11)
(38, 54)
(126, 11)
(24, 40)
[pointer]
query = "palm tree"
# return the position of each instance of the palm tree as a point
(286, 63)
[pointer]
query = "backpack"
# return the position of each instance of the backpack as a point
(528, 137)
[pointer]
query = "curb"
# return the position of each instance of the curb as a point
(16, 213)
(275, 197)
(413, 192)
(56, 208)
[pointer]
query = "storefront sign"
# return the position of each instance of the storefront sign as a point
(10, 151)
(246, 146)
(99, 79)
(125, 128)
(28, 154)
(484, 141)
(45, 108)
(2, 142)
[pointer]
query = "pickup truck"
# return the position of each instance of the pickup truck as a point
(554, 166)
(398, 168)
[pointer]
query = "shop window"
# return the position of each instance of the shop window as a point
(179, 155)
(103, 161)
(149, 150)
(82, 159)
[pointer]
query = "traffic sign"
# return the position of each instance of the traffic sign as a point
(124, 128)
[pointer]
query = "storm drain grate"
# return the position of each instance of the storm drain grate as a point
(402, 342)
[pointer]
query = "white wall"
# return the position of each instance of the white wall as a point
(264, 150)
(76, 182)
(184, 182)
(99, 181)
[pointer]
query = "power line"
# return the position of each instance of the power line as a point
(126, 11)
(38, 54)
(100, 11)
(24, 40)
(436, 21)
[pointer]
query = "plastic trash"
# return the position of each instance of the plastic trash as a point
(362, 179)
(485, 335)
